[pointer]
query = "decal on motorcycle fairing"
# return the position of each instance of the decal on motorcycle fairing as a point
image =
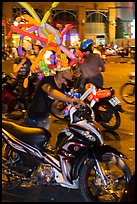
(24, 147)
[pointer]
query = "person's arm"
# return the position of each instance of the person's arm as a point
(101, 65)
(57, 95)
(16, 67)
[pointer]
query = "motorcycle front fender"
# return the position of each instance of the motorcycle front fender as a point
(87, 156)
(77, 163)
(119, 108)
(101, 150)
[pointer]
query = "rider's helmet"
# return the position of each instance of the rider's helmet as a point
(86, 45)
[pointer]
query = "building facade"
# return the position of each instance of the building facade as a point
(89, 19)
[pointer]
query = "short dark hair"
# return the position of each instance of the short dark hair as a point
(23, 49)
(39, 46)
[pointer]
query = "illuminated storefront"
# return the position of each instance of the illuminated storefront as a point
(90, 19)
(26, 43)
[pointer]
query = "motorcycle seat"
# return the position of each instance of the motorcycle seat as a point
(30, 135)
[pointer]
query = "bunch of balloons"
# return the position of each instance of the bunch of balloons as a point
(49, 37)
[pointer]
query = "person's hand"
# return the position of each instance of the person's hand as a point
(78, 101)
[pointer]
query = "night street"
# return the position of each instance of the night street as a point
(122, 139)
(56, 55)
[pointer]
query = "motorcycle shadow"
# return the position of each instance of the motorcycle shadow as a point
(59, 121)
(110, 135)
(130, 110)
(15, 115)
(42, 194)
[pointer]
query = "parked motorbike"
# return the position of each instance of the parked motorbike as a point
(127, 90)
(80, 159)
(106, 107)
(12, 100)
(103, 57)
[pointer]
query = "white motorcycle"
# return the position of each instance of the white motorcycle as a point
(80, 160)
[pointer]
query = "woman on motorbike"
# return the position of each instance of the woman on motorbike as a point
(90, 70)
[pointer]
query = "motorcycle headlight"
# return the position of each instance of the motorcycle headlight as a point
(88, 135)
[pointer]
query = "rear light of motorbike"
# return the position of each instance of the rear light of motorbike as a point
(103, 55)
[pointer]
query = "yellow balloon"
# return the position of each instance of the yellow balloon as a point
(25, 83)
(58, 50)
(54, 4)
(30, 10)
(18, 19)
(45, 18)
(47, 34)
(39, 57)
(50, 38)
(31, 20)
(47, 14)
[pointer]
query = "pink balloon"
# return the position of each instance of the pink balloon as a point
(65, 30)
(65, 50)
(40, 34)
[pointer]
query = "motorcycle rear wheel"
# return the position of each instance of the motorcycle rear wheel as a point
(117, 175)
(9, 160)
(107, 116)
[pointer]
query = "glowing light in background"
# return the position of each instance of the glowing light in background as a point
(74, 38)
(133, 29)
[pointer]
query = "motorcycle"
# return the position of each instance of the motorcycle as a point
(106, 107)
(103, 57)
(79, 160)
(11, 97)
(127, 90)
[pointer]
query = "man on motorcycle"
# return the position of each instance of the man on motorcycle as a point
(21, 67)
(49, 89)
(90, 70)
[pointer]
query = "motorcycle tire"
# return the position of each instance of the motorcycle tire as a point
(127, 93)
(107, 116)
(117, 176)
(9, 159)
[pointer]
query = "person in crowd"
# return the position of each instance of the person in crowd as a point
(37, 49)
(49, 89)
(90, 70)
(21, 67)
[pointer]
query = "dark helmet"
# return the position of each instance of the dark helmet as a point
(86, 45)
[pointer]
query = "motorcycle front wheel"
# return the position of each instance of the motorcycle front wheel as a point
(116, 173)
(10, 180)
(107, 116)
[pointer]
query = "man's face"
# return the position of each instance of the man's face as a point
(67, 74)
(23, 54)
